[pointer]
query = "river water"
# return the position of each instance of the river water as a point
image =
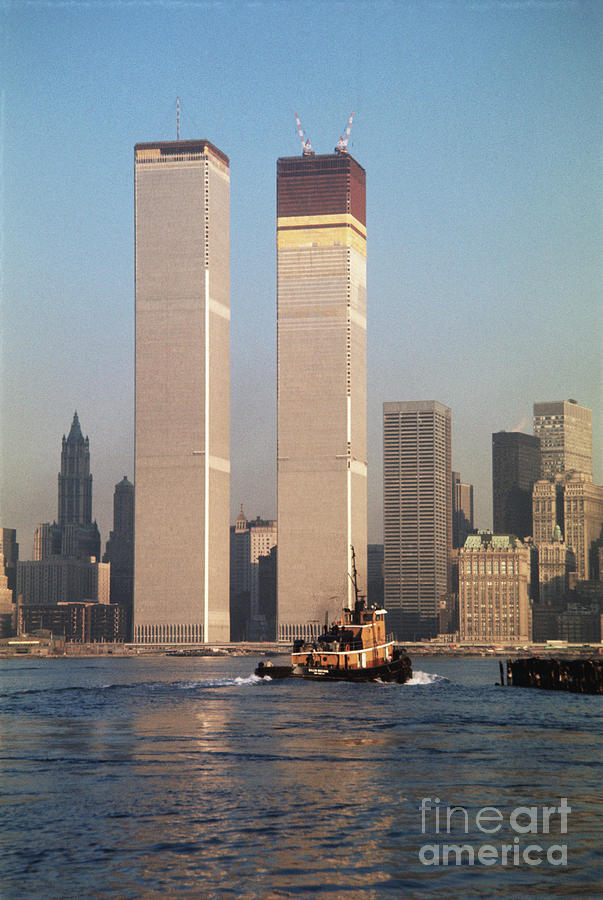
(127, 778)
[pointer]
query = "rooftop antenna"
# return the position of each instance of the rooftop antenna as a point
(177, 118)
(342, 143)
(306, 145)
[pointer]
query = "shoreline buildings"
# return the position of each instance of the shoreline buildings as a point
(321, 391)
(182, 200)
(417, 511)
(567, 510)
(65, 589)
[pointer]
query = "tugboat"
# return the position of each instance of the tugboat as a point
(355, 648)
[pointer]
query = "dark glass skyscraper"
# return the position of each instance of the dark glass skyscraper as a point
(120, 549)
(515, 469)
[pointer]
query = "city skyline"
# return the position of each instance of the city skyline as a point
(478, 128)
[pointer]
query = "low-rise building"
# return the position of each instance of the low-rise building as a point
(76, 622)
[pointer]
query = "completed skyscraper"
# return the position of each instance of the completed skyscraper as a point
(417, 505)
(566, 437)
(321, 275)
(182, 191)
(515, 469)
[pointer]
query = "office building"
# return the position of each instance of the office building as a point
(374, 581)
(515, 469)
(66, 567)
(321, 286)
(119, 551)
(80, 536)
(82, 622)
(267, 593)
(182, 191)
(10, 550)
(573, 503)
(62, 579)
(7, 604)
(73, 534)
(556, 563)
(565, 432)
(462, 510)
(417, 506)
(494, 590)
(250, 541)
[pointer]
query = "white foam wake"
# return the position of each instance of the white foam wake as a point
(221, 682)
(422, 678)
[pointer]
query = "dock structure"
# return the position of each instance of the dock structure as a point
(580, 676)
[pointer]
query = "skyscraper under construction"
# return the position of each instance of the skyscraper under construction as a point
(321, 284)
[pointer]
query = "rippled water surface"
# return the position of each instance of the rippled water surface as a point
(172, 777)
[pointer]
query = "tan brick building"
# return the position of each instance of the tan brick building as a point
(574, 503)
(494, 590)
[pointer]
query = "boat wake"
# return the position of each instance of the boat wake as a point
(420, 679)
(238, 681)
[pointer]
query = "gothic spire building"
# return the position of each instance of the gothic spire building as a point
(75, 480)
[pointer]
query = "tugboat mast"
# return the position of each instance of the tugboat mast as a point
(354, 575)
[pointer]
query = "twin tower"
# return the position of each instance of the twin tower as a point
(182, 533)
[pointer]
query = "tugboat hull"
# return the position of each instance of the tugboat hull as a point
(398, 671)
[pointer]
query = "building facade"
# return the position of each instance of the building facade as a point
(250, 541)
(556, 563)
(462, 510)
(119, 551)
(7, 603)
(374, 580)
(515, 469)
(573, 503)
(73, 534)
(10, 550)
(322, 467)
(494, 590)
(182, 191)
(417, 507)
(565, 432)
(75, 622)
(60, 579)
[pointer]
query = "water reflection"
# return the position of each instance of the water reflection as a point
(164, 778)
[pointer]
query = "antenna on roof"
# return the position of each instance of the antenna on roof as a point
(177, 118)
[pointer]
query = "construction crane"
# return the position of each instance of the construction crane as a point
(342, 143)
(305, 142)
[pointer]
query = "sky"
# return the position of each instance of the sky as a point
(479, 125)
